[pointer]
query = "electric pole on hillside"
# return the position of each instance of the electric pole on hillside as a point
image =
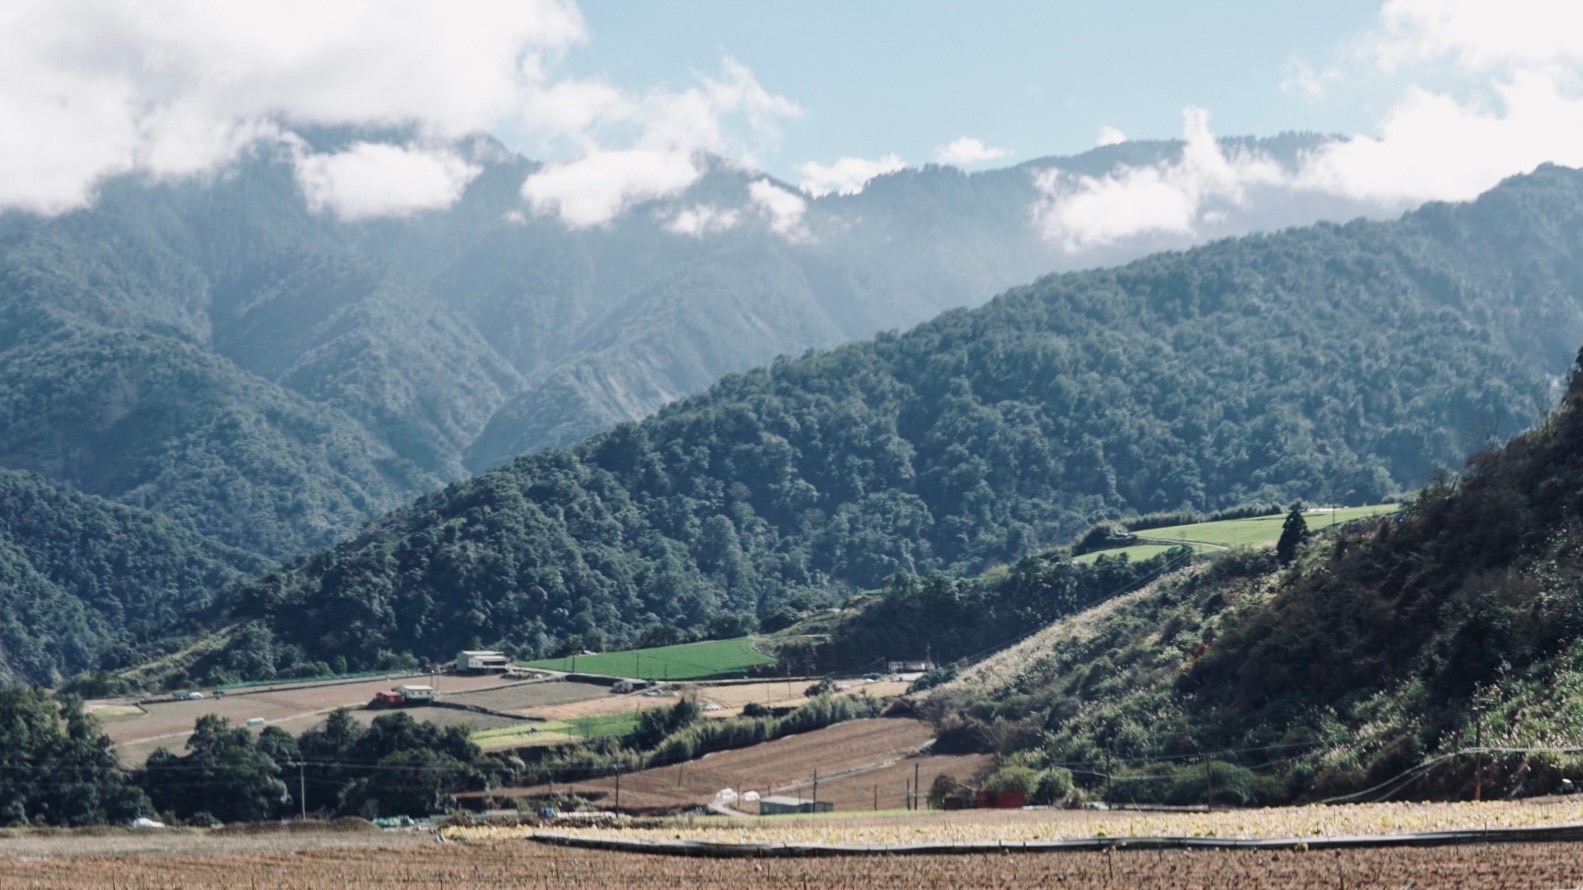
(1478, 751)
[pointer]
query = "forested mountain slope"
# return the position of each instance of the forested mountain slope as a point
(84, 581)
(1371, 654)
(217, 350)
(1333, 363)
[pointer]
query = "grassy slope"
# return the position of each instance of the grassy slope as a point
(688, 661)
(1257, 531)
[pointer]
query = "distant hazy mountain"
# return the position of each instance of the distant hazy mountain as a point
(214, 351)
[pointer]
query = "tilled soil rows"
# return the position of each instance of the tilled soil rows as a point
(523, 864)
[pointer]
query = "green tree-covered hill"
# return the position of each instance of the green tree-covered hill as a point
(1386, 647)
(85, 582)
(1331, 363)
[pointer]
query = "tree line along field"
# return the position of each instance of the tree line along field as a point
(138, 729)
(686, 661)
(1253, 531)
(303, 860)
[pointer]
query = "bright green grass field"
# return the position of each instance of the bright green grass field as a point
(555, 732)
(689, 661)
(1258, 531)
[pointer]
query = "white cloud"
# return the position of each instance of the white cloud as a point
(373, 179)
(702, 219)
(597, 187)
(967, 150)
(1110, 136)
(847, 176)
(731, 114)
(1478, 35)
(94, 88)
(1516, 101)
(1508, 97)
(1083, 212)
(783, 209)
(1304, 79)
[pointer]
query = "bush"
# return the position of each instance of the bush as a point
(948, 793)
(1055, 786)
(1012, 778)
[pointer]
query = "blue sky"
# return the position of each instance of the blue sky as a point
(1033, 78)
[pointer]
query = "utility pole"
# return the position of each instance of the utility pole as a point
(915, 786)
(1209, 784)
(816, 791)
(1478, 751)
(302, 791)
(1108, 774)
(618, 789)
(876, 798)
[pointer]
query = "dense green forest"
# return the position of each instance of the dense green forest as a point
(1375, 651)
(217, 351)
(85, 582)
(1332, 364)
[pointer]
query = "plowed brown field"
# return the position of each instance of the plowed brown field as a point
(294, 708)
(295, 862)
(781, 766)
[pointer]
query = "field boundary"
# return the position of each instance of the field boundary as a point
(719, 850)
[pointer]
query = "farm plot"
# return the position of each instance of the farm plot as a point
(528, 698)
(1017, 826)
(886, 788)
(770, 768)
(780, 693)
(212, 861)
(688, 661)
(293, 707)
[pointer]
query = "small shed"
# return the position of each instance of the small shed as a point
(415, 694)
(781, 805)
(482, 661)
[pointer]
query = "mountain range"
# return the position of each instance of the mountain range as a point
(1334, 363)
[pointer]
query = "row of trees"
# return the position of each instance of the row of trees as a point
(58, 768)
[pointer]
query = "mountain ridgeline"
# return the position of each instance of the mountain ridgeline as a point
(1330, 363)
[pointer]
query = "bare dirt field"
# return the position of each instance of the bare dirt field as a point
(781, 766)
(779, 694)
(859, 791)
(335, 861)
(294, 708)
(529, 698)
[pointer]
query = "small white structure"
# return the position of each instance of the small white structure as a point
(254, 722)
(416, 694)
(481, 661)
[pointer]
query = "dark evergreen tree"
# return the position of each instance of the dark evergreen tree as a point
(1293, 533)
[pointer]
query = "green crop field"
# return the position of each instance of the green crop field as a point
(1258, 531)
(688, 661)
